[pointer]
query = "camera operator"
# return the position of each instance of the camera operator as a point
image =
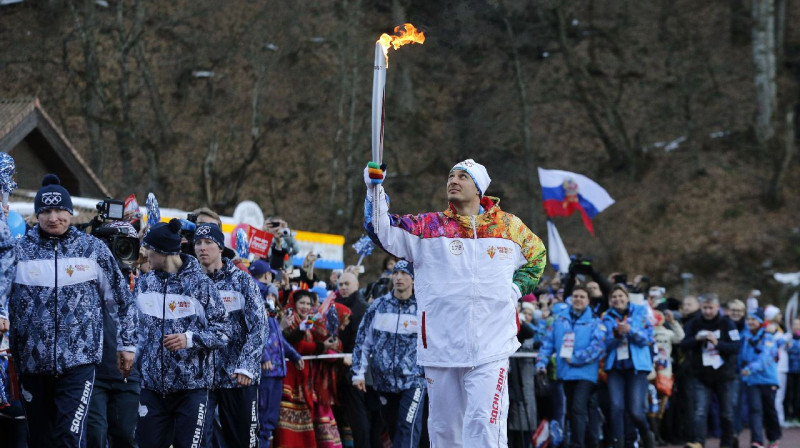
(63, 278)
(112, 410)
(283, 243)
(238, 365)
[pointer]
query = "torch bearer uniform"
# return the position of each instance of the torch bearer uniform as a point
(469, 273)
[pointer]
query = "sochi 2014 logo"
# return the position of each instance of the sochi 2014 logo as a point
(51, 198)
(456, 247)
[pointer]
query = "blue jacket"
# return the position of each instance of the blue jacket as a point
(758, 359)
(277, 350)
(387, 343)
(793, 350)
(183, 302)
(590, 335)
(55, 304)
(248, 320)
(640, 337)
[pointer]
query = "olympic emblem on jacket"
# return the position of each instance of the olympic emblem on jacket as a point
(456, 247)
(51, 198)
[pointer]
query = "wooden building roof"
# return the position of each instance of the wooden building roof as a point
(40, 147)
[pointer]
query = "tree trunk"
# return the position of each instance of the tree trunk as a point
(125, 138)
(91, 101)
(603, 113)
(764, 60)
(344, 212)
(208, 170)
(164, 139)
(775, 188)
(740, 22)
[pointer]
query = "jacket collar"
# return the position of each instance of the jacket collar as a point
(490, 204)
(585, 315)
(37, 234)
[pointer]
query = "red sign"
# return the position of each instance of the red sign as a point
(259, 242)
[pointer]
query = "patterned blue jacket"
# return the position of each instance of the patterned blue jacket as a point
(387, 342)
(249, 328)
(7, 266)
(183, 302)
(277, 350)
(55, 304)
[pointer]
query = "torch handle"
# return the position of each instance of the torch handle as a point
(378, 98)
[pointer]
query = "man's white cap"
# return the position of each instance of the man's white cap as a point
(477, 172)
(771, 311)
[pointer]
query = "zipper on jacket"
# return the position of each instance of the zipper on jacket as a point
(396, 329)
(472, 298)
(424, 335)
(55, 313)
(163, 324)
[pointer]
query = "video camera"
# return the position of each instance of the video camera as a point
(110, 227)
(188, 229)
(581, 265)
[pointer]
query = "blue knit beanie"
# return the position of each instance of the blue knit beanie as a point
(405, 266)
(210, 231)
(758, 315)
(52, 196)
(164, 237)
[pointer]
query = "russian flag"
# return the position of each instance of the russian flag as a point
(564, 192)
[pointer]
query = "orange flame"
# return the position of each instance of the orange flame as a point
(407, 35)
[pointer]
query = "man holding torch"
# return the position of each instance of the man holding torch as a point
(472, 263)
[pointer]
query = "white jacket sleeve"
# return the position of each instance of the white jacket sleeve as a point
(398, 236)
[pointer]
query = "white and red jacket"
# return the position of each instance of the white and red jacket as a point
(469, 273)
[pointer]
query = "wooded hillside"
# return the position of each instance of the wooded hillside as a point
(683, 109)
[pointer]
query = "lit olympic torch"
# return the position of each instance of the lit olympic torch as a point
(408, 34)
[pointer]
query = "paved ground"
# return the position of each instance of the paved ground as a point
(791, 439)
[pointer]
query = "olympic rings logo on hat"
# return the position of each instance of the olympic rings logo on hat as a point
(203, 231)
(51, 198)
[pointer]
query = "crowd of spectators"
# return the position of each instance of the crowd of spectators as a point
(604, 362)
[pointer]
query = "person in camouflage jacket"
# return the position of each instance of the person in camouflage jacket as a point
(182, 319)
(238, 366)
(387, 344)
(62, 280)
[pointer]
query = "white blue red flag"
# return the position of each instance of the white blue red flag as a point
(556, 251)
(564, 192)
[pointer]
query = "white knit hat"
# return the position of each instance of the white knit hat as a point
(477, 172)
(771, 311)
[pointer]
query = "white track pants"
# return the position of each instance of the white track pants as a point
(468, 405)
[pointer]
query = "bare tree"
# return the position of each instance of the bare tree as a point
(91, 94)
(767, 32)
(764, 60)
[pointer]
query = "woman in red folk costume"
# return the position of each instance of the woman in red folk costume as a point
(306, 420)
(324, 375)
